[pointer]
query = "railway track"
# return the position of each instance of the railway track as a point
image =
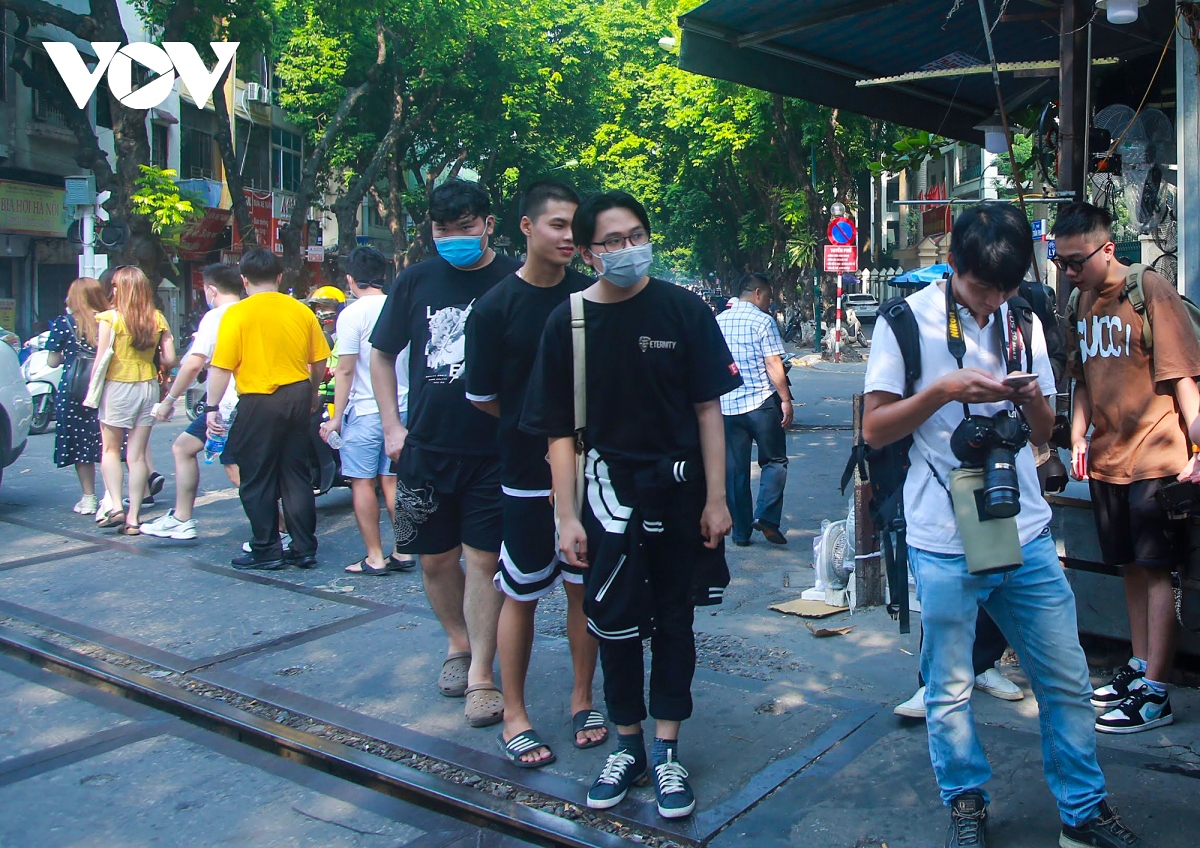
(413, 786)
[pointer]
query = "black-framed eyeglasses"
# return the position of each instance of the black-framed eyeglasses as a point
(635, 239)
(1076, 265)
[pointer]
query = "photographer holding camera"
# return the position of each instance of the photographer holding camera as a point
(977, 523)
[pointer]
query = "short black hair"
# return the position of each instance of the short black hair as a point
(456, 199)
(992, 242)
(1083, 219)
(754, 281)
(224, 277)
(541, 193)
(367, 266)
(260, 265)
(583, 226)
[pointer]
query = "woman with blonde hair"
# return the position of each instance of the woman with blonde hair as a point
(77, 430)
(135, 331)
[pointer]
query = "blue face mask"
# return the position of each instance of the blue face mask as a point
(461, 251)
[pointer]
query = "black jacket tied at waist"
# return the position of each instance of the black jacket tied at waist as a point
(637, 514)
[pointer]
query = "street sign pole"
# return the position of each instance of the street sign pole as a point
(837, 338)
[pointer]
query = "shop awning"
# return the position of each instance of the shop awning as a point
(817, 49)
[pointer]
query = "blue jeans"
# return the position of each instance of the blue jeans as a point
(763, 426)
(1035, 608)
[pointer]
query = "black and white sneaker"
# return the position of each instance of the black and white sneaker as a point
(675, 798)
(1143, 710)
(968, 815)
(1124, 682)
(1104, 831)
(621, 771)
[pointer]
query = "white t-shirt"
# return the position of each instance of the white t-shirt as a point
(204, 342)
(354, 327)
(927, 509)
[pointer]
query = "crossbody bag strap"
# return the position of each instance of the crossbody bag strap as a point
(579, 359)
(579, 369)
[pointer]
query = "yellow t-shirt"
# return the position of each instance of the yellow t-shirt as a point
(128, 364)
(268, 340)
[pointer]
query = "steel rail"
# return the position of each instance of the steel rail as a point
(348, 763)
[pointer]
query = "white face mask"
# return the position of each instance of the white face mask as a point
(624, 268)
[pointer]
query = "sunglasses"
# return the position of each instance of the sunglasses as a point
(1076, 265)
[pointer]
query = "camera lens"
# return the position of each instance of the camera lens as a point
(1001, 492)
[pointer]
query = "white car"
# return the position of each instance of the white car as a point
(16, 408)
(865, 306)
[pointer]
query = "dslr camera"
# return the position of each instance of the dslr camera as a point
(992, 443)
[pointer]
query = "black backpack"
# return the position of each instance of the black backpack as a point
(1041, 300)
(886, 468)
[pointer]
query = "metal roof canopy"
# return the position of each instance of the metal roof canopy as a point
(817, 49)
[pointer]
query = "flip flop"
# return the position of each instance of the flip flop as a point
(129, 530)
(524, 743)
(113, 519)
(364, 567)
(453, 679)
(588, 720)
(394, 563)
(485, 705)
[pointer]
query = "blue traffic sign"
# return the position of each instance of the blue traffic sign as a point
(842, 231)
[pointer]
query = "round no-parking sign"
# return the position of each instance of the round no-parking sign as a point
(842, 231)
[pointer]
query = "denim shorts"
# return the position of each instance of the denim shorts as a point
(363, 456)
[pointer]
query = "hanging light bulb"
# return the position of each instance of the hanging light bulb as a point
(995, 140)
(1121, 11)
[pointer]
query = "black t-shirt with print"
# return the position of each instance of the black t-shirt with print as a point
(650, 359)
(503, 334)
(428, 308)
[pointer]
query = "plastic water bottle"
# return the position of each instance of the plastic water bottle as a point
(334, 440)
(213, 446)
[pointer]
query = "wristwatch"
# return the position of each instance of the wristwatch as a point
(208, 409)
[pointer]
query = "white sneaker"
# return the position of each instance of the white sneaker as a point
(284, 539)
(169, 527)
(103, 508)
(87, 505)
(914, 707)
(998, 686)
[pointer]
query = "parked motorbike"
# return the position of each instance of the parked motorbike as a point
(196, 396)
(42, 381)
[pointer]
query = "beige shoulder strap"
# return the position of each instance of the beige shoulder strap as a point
(579, 359)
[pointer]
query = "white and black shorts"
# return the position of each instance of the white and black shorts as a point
(529, 563)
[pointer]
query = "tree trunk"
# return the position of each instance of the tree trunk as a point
(290, 232)
(229, 162)
(393, 212)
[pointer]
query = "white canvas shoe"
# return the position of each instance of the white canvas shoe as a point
(998, 686)
(914, 707)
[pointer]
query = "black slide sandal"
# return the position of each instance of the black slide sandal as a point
(523, 743)
(588, 720)
(365, 567)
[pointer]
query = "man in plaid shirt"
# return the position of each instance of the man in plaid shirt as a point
(759, 411)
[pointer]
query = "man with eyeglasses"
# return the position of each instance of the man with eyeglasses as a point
(650, 531)
(1141, 402)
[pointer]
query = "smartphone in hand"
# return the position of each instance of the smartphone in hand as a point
(1019, 380)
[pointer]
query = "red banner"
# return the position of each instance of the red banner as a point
(198, 239)
(260, 214)
(935, 219)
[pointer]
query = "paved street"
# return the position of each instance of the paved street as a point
(794, 742)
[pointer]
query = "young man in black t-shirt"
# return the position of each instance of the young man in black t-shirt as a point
(447, 465)
(503, 333)
(654, 516)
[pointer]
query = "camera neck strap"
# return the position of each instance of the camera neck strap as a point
(1011, 342)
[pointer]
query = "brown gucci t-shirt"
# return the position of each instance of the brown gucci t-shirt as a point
(1138, 433)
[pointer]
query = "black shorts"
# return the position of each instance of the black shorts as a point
(530, 567)
(1133, 528)
(198, 429)
(445, 500)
